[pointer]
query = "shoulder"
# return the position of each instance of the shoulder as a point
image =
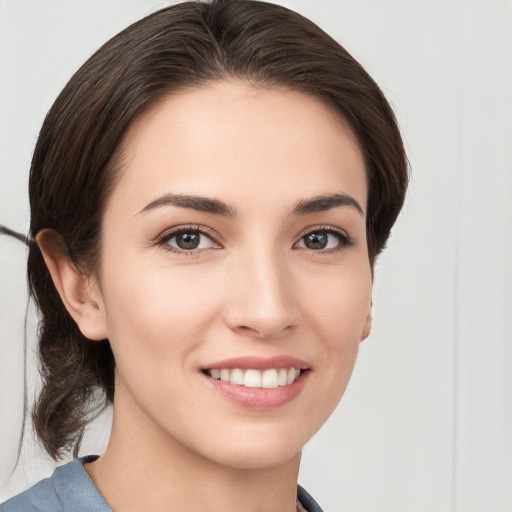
(69, 489)
(29, 500)
(41, 497)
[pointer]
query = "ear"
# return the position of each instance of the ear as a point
(367, 327)
(79, 293)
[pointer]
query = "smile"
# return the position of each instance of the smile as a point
(252, 378)
(258, 382)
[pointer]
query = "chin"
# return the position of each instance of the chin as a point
(258, 448)
(258, 458)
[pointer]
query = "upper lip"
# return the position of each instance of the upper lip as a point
(259, 363)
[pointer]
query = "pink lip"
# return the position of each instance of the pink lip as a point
(259, 363)
(258, 398)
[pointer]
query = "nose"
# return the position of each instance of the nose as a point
(262, 297)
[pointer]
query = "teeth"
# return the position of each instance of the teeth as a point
(237, 377)
(250, 378)
(269, 379)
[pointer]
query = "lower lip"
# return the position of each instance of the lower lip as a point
(259, 398)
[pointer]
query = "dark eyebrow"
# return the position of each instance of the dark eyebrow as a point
(203, 204)
(326, 202)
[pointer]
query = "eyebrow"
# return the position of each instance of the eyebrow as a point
(326, 202)
(210, 205)
(202, 204)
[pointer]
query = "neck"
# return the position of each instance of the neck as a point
(146, 469)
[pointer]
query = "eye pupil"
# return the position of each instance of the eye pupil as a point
(316, 240)
(187, 241)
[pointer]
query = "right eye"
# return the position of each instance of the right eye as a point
(187, 241)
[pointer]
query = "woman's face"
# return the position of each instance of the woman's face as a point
(235, 280)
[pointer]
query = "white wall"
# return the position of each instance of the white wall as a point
(426, 424)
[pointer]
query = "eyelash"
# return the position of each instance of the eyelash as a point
(344, 239)
(163, 239)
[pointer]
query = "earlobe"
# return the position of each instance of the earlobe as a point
(78, 292)
(367, 327)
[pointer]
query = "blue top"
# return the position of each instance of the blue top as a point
(70, 489)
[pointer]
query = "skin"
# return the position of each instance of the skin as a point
(252, 289)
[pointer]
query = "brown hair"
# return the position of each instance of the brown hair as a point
(74, 166)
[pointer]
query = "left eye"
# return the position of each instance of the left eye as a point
(323, 240)
(189, 240)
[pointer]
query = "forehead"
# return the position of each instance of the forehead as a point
(234, 141)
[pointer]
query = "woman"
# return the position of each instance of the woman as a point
(208, 196)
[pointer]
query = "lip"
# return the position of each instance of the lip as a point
(258, 398)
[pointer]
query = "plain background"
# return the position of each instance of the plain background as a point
(426, 423)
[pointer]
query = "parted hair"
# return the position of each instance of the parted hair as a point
(76, 159)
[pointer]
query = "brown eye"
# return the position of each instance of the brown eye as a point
(188, 241)
(325, 240)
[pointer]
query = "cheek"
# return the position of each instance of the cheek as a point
(155, 314)
(338, 309)
(339, 304)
